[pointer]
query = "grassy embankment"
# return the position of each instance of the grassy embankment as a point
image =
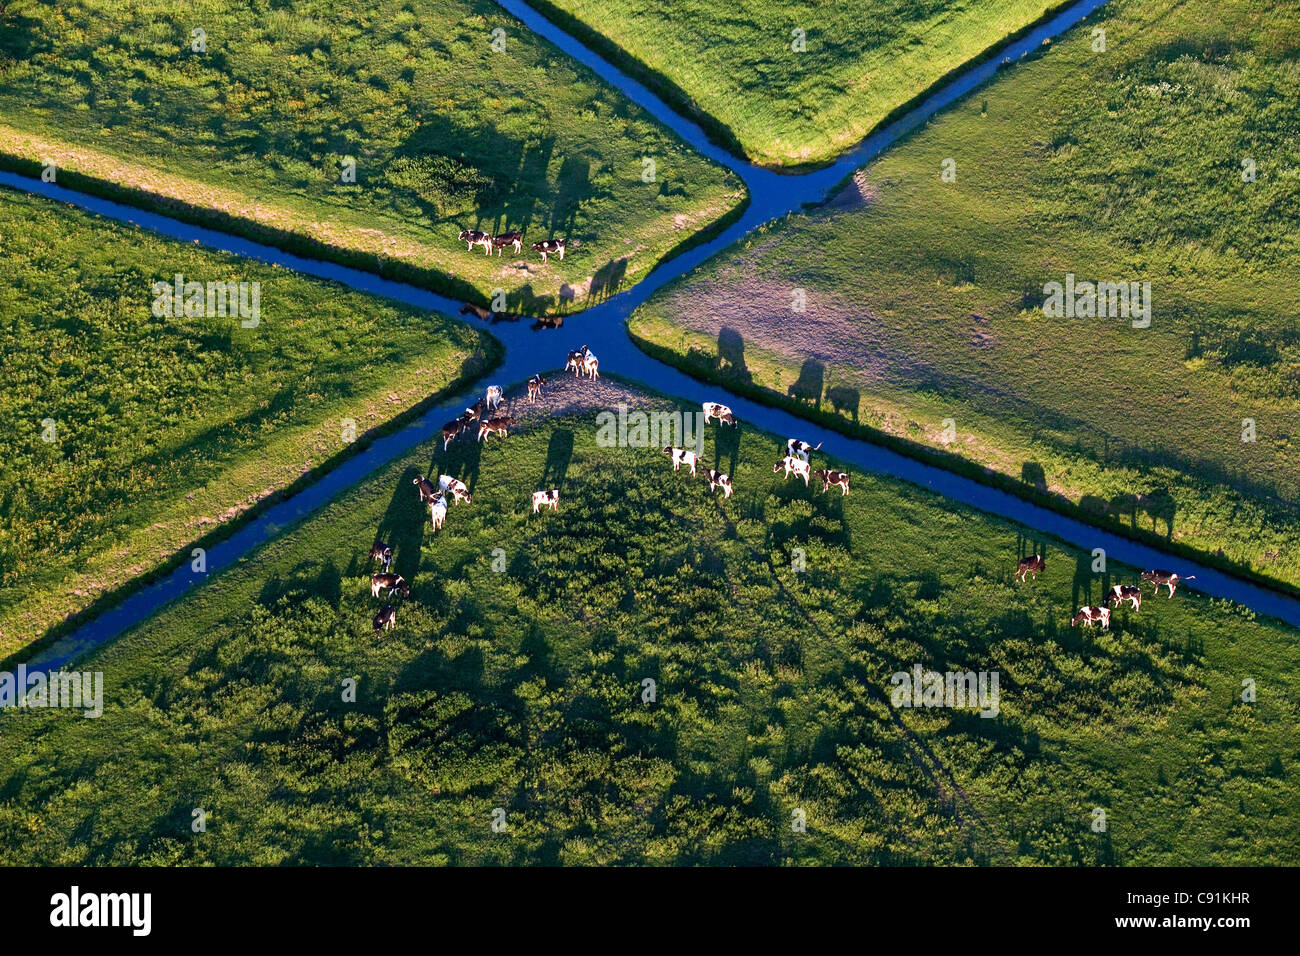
(524, 688)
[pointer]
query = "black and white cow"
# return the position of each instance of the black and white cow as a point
(382, 553)
(681, 456)
(800, 449)
(831, 478)
(387, 581)
(438, 510)
(535, 387)
(792, 464)
(1124, 592)
(1030, 565)
(1169, 579)
(551, 247)
(472, 238)
(1089, 616)
(385, 619)
(718, 480)
(457, 488)
(550, 498)
(513, 239)
(719, 411)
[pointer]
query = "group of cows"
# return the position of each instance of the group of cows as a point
(514, 239)
(1092, 614)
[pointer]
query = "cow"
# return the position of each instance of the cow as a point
(574, 362)
(792, 464)
(472, 238)
(551, 498)
(474, 412)
(551, 247)
(1089, 616)
(718, 480)
(535, 387)
(513, 239)
(457, 488)
(799, 449)
(681, 456)
(382, 553)
(493, 397)
(1160, 577)
(425, 487)
(386, 581)
(450, 431)
(721, 412)
(469, 308)
(591, 366)
(829, 478)
(498, 426)
(1030, 565)
(385, 619)
(438, 511)
(1124, 592)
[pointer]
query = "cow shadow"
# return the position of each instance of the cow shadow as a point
(572, 189)
(608, 280)
(726, 448)
(402, 526)
(462, 458)
(808, 386)
(558, 455)
(731, 354)
(1032, 474)
(844, 400)
(1159, 506)
(1087, 589)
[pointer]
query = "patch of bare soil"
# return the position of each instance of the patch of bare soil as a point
(857, 192)
(563, 394)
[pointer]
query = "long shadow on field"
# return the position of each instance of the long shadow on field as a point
(731, 355)
(808, 386)
(558, 455)
(844, 400)
(572, 189)
(402, 527)
(461, 460)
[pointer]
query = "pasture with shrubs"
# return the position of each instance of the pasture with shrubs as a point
(133, 435)
(368, 133)
(653, 672)
(1152, 145)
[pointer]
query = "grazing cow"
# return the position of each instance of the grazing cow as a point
(535, 387)
(799, 449)
(472, 238)
(792, 464)
(457, 488)
(450, 431)
(438, 511)
(1030, 565)
(469, 308)
(498, 426)
(385, 580)
(551, 498)
(681, 456)
(382, 553)
(425, 487)
(385, 619)
(718, 480)
(514, 239)
(493, 397)
(551, 247)
(721, 412)
(829, 477)
(1167, 578)
(1092, 615)
(1125, 592)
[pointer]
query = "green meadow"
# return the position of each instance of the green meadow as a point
(132, 436)
(653, 674)
(735, 68)
(1168, 157)
(366, 132)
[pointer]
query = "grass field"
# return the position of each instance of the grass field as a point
(515, 680)
(251, 135)
(131, 436)
(734, 66)
(924, 295)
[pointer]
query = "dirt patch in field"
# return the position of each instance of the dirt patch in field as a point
(567, 395)
(858, 192)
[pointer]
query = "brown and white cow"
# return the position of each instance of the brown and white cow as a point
(719, 411)
(575, 361)
(425, 487)
(718, 480)
(1124, 592)
(438, 511)
(474, 412)
(681, 456)
(450, 431)
(513, 239)
(385, 619)
(457, 488)
(1169, 579)
(469, 308)
(535, 387)
(493, 397)
(831, 478)
(1030, 565)
(591, 365)
(792, 464)
(551, 247)
(550, 498)
(472, 238)
(1089, 616)
(382, 553)
(495, 426)
(800, 449)
(386, 581)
